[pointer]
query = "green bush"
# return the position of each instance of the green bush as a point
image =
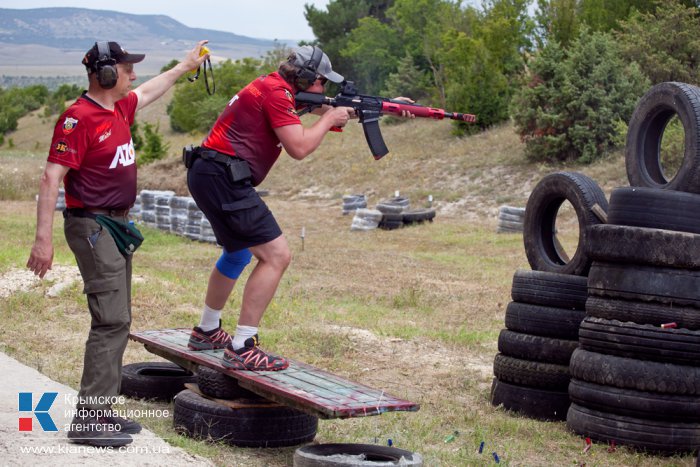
(153, 146)
(571, 105)
(192, 109)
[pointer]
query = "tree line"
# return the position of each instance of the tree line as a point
(568, 73)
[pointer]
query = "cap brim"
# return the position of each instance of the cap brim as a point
(335, 77)
(131, 58)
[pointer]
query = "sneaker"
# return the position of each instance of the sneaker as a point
(252, 357)
(208, 340)
(123, 425)
(96, 431)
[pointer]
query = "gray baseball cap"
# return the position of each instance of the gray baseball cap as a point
(304, 54)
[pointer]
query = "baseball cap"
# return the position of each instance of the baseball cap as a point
(117, 53)
(324, 69)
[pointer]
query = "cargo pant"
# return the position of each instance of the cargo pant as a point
(107, 283)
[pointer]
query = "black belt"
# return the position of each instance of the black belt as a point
(238, 168)
(92, 212)
(216, 156)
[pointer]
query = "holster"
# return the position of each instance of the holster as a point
(189, 154)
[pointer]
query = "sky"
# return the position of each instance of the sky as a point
(264, 19)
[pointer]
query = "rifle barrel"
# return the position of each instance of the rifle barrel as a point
(396, 108)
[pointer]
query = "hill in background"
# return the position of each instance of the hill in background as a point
(52, 41)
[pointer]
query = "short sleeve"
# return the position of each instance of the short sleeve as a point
(279, 108)
(70, 141)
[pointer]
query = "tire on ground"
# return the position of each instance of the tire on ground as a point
(649, 435)
(631, 403)
(154, 380)
(257, 425)
(540, 404)
(646, 128)
(346, 455)
(541, 246)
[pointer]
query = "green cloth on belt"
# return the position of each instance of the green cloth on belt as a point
(126, 236)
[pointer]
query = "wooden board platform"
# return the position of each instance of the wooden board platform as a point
(301, 386)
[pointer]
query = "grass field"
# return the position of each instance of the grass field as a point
(415, 312)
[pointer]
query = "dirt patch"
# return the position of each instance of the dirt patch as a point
(23, 280)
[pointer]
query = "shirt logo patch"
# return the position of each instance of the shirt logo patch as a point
(69, 125)
(61, 147)
(105, 135)
(124, 155)
(289, 95)
(254, 91)
(291, 111)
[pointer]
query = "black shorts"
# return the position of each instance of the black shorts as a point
(238, 216)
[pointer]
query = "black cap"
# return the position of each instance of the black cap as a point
(117, 53)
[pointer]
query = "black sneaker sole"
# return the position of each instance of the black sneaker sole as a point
(113, 441)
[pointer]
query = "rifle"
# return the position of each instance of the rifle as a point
(370, 108)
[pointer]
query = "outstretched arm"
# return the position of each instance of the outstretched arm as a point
(156, 87)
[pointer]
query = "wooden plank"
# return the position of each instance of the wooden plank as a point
(301, 386)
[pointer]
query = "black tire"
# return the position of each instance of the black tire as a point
(254, 426)
(518, 219)
(389, 208)
(665, 248)
(154, 380)
(541, 212)
(643, 312)
(516, 211)
(347, 455)
(656, 209)
(213, 383)
(544, 321)
(549, 289)
(646, 128)
(631, 403)
(540, 404)
(418, 215)
(646, 283)
(537, 348)
(630, 373)
(392, 217)
(648, 435)
(640, 341)
(530, 373)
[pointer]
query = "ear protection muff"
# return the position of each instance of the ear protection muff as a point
(307, 73)
(105, 66)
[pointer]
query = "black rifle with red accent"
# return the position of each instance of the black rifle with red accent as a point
(370, 108)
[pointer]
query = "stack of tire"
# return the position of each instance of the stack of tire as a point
(193, 227)
(353, 202)
(206, 233)
(61, 200)
(510, 219)
(148, 205)
(178, 214)
(636, 376)
(366, 219)
(542, 322)
(220, 410)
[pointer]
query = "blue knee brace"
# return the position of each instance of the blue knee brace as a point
(232, 264)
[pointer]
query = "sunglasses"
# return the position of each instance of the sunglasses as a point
(323, 79)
